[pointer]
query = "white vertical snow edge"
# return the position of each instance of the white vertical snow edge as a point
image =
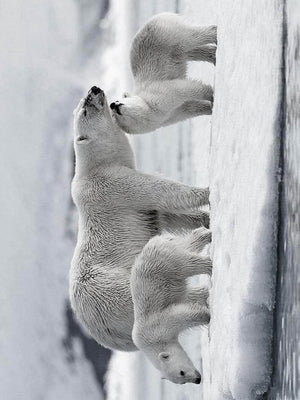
(286, 374)
(243, 183)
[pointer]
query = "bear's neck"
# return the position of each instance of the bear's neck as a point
(153, 351)
(115, 151)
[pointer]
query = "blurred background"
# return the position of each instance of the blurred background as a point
(52, 52)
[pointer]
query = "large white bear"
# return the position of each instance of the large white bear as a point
(164, 305)
(162, 94)
(120, 209)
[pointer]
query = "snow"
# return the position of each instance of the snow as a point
(243, 182)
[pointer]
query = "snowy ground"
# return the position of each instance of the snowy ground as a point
(243, 168)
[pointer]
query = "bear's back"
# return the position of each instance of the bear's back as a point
(157, 51)
(111, 229)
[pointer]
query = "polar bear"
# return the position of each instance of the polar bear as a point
(162, 94)
(164, 305)
(120, 209)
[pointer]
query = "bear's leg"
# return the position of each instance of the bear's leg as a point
(191, 90)
(198, 239)
(170, 256)
(197, 295)
(172, 94)
(189, 109)
(194, 108)
(188, 315)
(200, 36)
(203, 53)
(175, 222)
(148, 192)
(192, 242)
(192, 264)
(201, 92)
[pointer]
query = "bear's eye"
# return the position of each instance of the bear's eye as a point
(182, 373)
(81, 138)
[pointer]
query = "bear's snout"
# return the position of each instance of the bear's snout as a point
(198, 379)
(95, 90)
(116, 106)
(95, 98)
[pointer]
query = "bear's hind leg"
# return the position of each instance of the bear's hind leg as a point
(200, 36)
(189, 109)
(193, 92)
(202, 53)
(192, 264)
(194, 108)
(193, 242)
(171, 256)
(198, 295)
(198, 239)
(176, 222)
(187, 315)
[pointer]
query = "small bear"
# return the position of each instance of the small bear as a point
(119, 209)
(162, 93)
(164, 305)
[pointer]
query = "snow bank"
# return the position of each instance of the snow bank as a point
(243, 182)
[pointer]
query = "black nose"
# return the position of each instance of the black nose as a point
(116, 106)
(197, 381)
(95, 90)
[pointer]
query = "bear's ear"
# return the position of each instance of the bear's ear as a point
(164, 356)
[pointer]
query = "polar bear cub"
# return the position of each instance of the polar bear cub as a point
(120, 210)
(164, 305)
(162, 94)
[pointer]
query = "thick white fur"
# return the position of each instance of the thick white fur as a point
(162, 93)
(164, 305)
(120, 209)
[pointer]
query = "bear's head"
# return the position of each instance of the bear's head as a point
(97, 138)
(91, 116)
(132, 114)
(174, 364)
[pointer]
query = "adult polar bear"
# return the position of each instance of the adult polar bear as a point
(162, 94)
(120, 209)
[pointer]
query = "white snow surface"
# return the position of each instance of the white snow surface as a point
(236, 152)
(243, 182)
